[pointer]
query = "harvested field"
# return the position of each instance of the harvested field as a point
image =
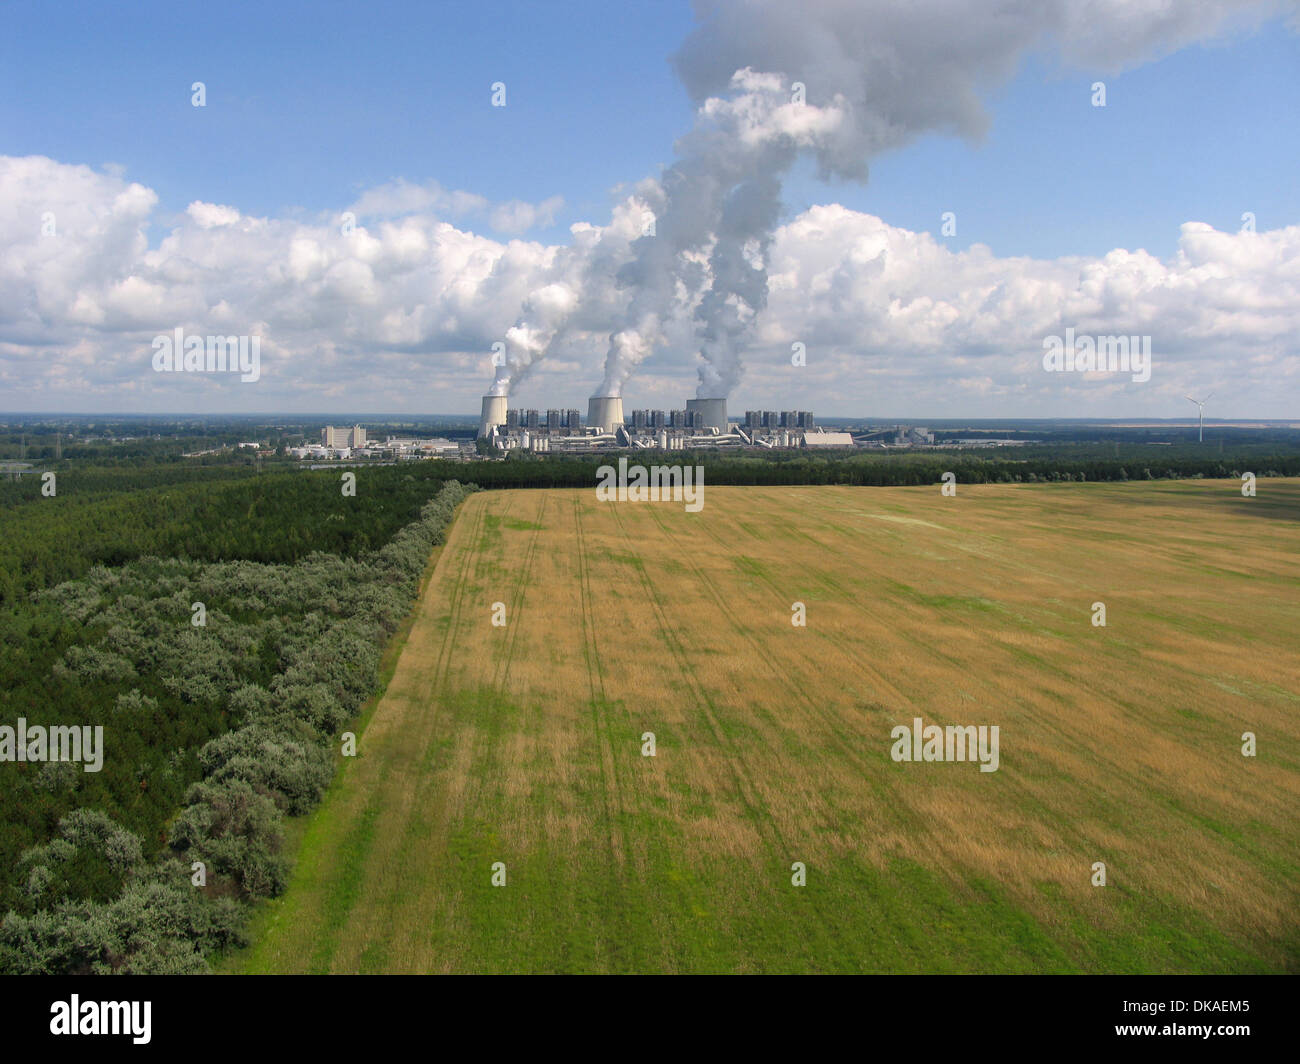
(1120, 744)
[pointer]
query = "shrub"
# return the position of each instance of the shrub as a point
(89, 859)
(292, 771)
(236, 832)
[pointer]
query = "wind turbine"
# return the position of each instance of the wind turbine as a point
(1200, 415)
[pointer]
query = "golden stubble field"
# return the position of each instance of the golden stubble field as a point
(523, 743)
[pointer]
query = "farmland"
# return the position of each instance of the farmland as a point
(522, 743)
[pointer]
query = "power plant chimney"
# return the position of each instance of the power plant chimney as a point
(494, 414)
(714, 412)
(605, 412)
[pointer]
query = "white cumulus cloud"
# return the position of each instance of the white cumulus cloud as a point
(401, 313)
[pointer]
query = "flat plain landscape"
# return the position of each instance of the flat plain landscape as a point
(1120, 744)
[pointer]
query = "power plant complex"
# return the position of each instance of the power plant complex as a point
(703, 423)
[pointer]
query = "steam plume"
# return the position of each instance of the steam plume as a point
(875, 74)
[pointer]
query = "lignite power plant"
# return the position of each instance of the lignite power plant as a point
(703, 423)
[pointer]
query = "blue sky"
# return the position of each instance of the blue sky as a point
(310, 102)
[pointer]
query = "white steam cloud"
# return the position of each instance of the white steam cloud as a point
(843, 81)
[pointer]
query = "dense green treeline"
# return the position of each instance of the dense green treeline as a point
(108, 516)
(1022, 464)
(101, 519)
(212, 733)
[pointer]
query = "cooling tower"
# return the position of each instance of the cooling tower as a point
(714, 412)
(605, 412)
(494, 414)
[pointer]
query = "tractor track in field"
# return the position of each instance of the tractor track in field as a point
(746, 789)
(612, 791)
(833, 724)
(782, 679)
(851, 650)
(440, 679)
(514, 618)
(472, 566)
(596, 684)
(327, 948)
(595, 673)
(914, 823)
(456, 608)
(1000, 694)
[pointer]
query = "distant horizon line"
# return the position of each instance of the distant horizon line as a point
(357, 417)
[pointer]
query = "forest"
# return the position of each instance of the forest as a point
(1027, 464)
(221, 686)
(109, 514)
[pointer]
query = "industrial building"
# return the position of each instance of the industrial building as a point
(702, 424)
(713, 412)
(897, 436)
(394, 447)
(916, 435)
(785, 419)
(828, 439)
(339, 438)
(605, 413)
